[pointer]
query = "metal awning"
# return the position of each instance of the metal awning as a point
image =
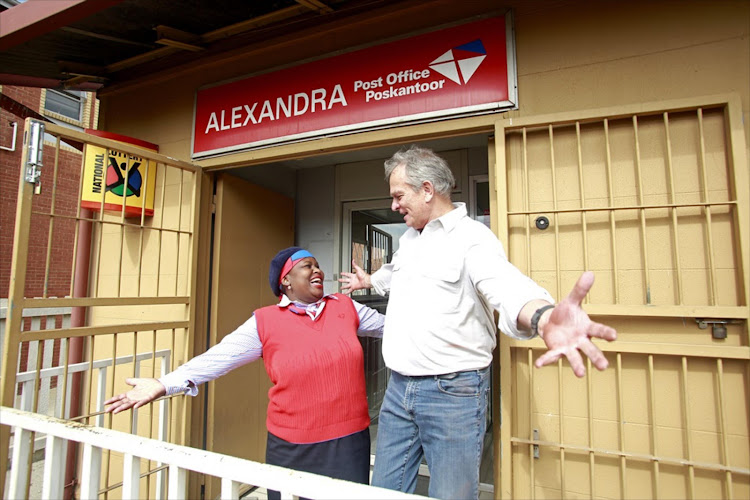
(94, 44)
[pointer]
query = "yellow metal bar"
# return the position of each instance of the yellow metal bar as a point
(118, 285)
(527, 196)
(621, 423)
(168, 230)
(554, 207)
(714, 293)
(179, 225)
(532, 471)
(590, 400)
(636, 457)
(654, 426)
(561, 415)
(111, 392)
(77, 222)
(92, 331)
(664, 349)
(684, 311)
(728, 489)
(642, 213)
(103, 301)
(161, 229)
(51, 227)
(688, 427)
(675, 232)
(91, 341)
(128, 149)
(623, 208)
(613, 240)
(14, 320)
(582, 190)
(66, 367)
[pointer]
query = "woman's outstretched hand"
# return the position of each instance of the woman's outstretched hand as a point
(144, 391)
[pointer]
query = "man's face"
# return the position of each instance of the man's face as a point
(409, 203)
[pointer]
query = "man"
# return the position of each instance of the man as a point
(448, 275)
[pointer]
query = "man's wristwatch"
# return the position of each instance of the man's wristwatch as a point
(536, 317)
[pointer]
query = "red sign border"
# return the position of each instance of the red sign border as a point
(461, 112)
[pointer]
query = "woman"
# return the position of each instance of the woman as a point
(317, 417)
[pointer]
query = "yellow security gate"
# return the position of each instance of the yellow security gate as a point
(654, 200)
(130, 307)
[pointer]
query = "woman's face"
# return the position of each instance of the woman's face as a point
(304, 283)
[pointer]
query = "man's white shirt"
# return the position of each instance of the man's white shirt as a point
(443, 284)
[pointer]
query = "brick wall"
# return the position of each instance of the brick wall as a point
(66, 195)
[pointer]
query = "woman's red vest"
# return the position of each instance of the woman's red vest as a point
(317, 369)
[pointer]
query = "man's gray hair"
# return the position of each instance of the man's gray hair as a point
(421, 165)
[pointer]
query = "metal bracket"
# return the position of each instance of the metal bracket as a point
(536, 446)
(34, 153)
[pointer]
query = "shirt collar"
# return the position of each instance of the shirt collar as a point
(286, 301)
(450, 220)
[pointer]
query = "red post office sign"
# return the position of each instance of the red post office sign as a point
(465, 69)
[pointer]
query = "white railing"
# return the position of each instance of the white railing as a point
(233, 471)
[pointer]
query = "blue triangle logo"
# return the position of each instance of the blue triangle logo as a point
(475, 46)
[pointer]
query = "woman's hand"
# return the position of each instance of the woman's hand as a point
(144, 391)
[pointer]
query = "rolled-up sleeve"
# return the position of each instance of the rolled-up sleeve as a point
(381, 279)
(504, 287)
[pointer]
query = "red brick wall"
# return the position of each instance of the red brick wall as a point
(66, 195)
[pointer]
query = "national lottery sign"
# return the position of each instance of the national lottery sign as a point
(462, 70)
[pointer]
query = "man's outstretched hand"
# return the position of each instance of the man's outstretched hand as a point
(357, 280)
(143, 392)
(569, 329)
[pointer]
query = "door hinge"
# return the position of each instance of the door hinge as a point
(213, 204)
(34, 154)
(536, 446)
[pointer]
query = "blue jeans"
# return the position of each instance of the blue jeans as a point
(440, 417)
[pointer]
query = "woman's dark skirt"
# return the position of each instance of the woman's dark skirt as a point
(345, 458)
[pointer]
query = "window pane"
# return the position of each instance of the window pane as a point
(66, 103)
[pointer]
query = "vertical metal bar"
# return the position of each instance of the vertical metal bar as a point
(527, 201)
(22, 451)
(77, 223)
(713, 299)
(100, 225)
(688, 427)
(621, 421)
(728, 488)
(532, 471)
(141, 228)
(230, 489)
(131, 476)
(63, 381)
(91, 470)
(590, 400)
(111, 390)
(673, 211)
(581, 189)
(91, 341)
(554, 207)
(654, 426)
(642, 212)
(48, 257)
(54, 467)
(16, 294)
(613, 241)
(160, 229)
(177, 483)
(561, 409)
(123, 210)
(179, 232)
